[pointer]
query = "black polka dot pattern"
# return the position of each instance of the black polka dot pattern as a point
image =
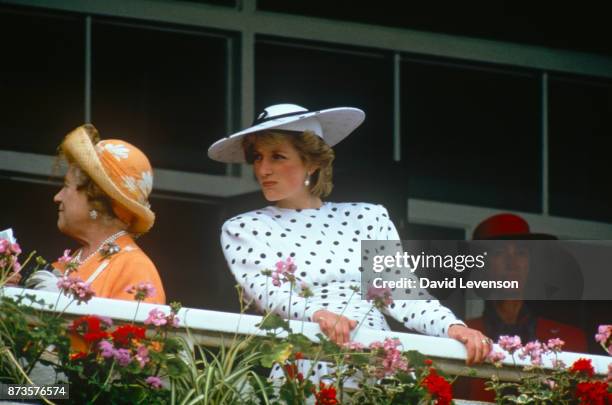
(324, 244)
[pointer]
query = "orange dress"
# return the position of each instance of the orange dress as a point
(113, 275)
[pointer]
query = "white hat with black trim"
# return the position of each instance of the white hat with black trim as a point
(332, 125)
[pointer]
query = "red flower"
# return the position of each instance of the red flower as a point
(123, 334)
(583, 366)
(593, 393)
(77, 355)
(427, 362)
(92, 323)
(292, 372)
(326, 395)
(438, 387)
(299, 356)
(95, 336)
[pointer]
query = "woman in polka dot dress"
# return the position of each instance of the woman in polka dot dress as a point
(290, 149)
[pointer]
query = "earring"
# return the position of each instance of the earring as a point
(307, 181)
(93, 214)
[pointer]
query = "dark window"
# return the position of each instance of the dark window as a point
(471, 135)
(318, 77)
(224, 3)
(498, 20)
(41, 79)
(580, 117)
(163, 90)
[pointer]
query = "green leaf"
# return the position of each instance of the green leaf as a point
(273, 322)
(277, 353)
(176, 367)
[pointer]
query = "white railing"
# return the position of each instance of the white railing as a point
(211, 328)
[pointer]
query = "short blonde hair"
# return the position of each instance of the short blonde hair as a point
(312, 149)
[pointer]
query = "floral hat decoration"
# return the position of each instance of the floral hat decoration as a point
(120, 169)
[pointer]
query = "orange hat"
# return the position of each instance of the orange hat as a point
(121, 170)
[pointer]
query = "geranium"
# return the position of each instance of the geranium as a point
(142, 291)
(380, 296)
(593, 393)
(326, 395)
(555, 345)
(124, 334)
(393, 361)
(534, 350)
(142, 356)
(583, 366)
(158, 318)
(509, 343)
(284, 272)
(604, 337)
(76, 288)
(496, 357)
(123, 357)
(107, 350)
(154, 382)
(353, 346)
(65, 258)
(438, 387)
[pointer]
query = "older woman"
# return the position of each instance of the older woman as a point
(102, 205)
(290, 149)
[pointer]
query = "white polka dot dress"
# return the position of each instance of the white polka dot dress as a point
(325, 245)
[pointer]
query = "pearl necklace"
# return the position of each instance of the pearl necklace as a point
(106, 241)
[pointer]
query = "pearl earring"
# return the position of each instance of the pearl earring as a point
(307, 181)
(93, 214)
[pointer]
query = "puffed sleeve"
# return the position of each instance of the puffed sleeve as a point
(423, 313)
(250, 245)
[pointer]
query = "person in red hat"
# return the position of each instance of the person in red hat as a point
(513, 316)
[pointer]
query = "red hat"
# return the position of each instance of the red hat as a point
(506, 226)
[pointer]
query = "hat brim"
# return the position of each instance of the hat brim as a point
(336, 124)
(79, 147)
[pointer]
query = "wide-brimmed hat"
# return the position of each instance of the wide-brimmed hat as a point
(506, 226)
(332, 125)
(120, 169)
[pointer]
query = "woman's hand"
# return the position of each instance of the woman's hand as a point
(477, 344)
(336, 327)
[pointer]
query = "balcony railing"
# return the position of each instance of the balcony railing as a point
(213, 328)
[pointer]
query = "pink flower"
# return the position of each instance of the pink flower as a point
(107, 350)
(154, 382)
(65, 258)
(604, 332)
(534, 350)
(156, 317)
(16, 265)
(393, 360)
(380, 296)
(4, 246)
(555, 344)
(142, 291)
(495, 357)
(76, 287)
(284, 272)
(65, 283)
(123, 357)
(82, 292)
(509, 343)
(353, 346)
(142, 356)
(16, 249)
